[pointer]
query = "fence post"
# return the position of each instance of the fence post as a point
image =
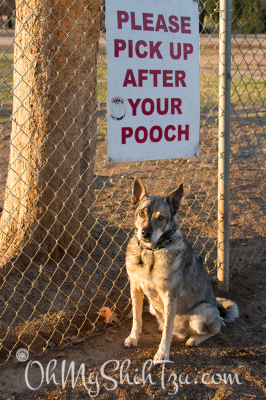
(224, 144)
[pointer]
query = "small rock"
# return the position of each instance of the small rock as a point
(263, 191)
(233, 223)
(241, 364)
(62, 354)
(35, 284)
(52, 345)
(112, 331)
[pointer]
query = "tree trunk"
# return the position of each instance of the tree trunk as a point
(49, 188)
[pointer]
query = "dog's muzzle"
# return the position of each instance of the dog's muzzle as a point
(146, 233)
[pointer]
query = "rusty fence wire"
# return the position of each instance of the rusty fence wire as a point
(65, 212)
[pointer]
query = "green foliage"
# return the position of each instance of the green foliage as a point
(210, 6)
(6, 85)
(252, 16)
(248, 16)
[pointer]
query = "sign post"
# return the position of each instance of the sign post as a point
(153, 79)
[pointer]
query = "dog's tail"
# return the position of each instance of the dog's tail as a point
(228, 309)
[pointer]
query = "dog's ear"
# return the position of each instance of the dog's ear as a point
(174, 198)
(138, 192)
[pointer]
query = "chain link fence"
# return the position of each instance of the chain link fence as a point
(65, 212)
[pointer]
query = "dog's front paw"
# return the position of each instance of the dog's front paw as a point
(161, 355)
(132, 339)
(194, 341)
(191, 342)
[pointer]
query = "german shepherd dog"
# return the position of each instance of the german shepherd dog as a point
(162, 265)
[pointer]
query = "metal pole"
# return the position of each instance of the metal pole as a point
(224, 144)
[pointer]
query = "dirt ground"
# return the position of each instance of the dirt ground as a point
(238, 351)
(54, 301)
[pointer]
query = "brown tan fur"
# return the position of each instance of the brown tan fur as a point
(173, 277)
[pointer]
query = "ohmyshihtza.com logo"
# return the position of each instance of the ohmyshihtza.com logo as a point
(103, 380)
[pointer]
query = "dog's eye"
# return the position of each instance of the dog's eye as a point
(161, 217)
(142, 214)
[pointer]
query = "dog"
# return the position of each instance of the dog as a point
(162, 265)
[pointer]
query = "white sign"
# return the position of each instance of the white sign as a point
(153, 79)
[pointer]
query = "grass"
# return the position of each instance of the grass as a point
(249, 90)
(6, 85)
(102, 95)
(246, 91)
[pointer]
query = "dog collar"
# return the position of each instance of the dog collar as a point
(160, 246)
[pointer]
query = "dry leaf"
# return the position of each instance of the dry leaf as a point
(110, 317)
(70, 338)
(79, 340)
(74, 339)
(60, 355)
(105, 312)
(107, 337)
(112, 331)
(113, 318)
